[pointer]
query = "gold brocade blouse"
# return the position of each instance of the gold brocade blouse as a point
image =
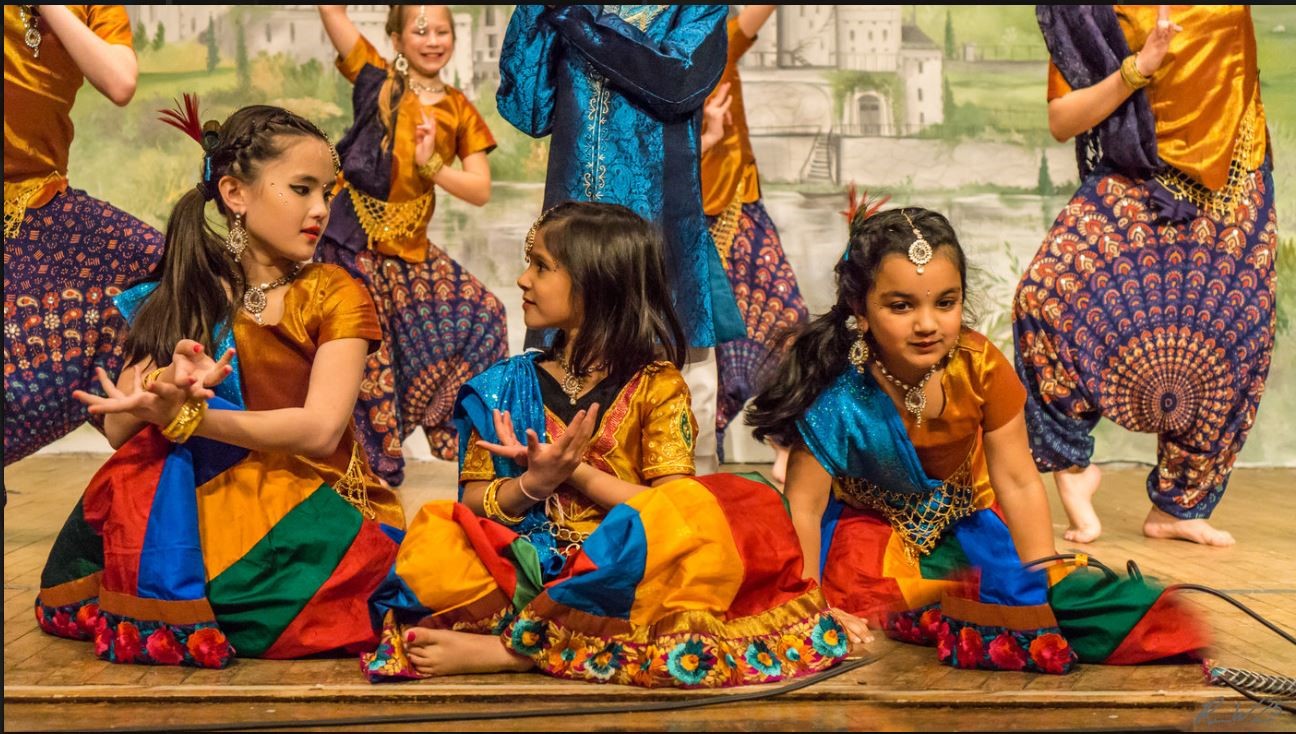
(461, 131)
(322, 304)
(645, 433)
(38, 96)
(982, 393)
(1206, 95)
(730, 162)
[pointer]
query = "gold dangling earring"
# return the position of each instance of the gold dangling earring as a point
(237, 239)
(401, 65)
(859, 354)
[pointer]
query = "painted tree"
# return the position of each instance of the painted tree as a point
(140, 37)
(949, 36)
(241, 62)
(213, 53)
(159, 37)
(1045, 180)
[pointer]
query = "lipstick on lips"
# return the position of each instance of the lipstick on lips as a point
(312, 232)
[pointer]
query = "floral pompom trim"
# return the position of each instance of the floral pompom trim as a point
(120, 639)
(684, 660)
(966, 645)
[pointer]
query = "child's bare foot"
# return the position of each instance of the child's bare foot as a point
(1163, 525)
(444, 652)
(1076, 487)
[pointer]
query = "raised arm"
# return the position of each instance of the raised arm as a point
(342, 32)
(526, 90)
(1082, 109)
(671, 78)
(110, 68)
(752, 17)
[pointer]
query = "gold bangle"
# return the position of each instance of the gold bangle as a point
(429, 170)
(185, 422)
(1131, 75)
(492, 507)
(151, 377)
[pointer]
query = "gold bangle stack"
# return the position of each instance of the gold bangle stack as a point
(1130, 73)
(151, 377)
(186, 421)
(491, 505)
(429, 170)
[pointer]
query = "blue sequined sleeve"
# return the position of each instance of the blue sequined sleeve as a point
(526, 91)
(671, 78)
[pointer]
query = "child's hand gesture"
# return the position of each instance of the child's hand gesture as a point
(157, 404)
(425, 135)
(857, 630)
(195, 371)
(548, 464)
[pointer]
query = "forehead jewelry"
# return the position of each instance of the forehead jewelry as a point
(420, 23)
(920, 251)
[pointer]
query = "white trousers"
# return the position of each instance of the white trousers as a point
(701, 374)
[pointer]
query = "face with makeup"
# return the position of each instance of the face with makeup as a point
(427, 44)
(915, 318)
(286, 205)
(547, 298)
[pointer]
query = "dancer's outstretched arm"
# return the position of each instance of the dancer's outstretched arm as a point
(339, 27)
(109, 67)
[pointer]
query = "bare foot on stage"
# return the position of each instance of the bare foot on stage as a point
(1076, 487)
(1162, 525)
(444, 652)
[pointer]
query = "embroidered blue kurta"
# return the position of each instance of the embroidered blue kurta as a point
(621, 88)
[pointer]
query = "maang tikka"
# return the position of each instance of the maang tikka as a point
(920, 250)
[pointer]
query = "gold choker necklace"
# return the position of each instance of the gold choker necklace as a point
(915, 396)
(254, 298)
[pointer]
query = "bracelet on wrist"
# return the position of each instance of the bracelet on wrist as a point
(185, 422)
(522, 488)
(491, 505)
(1133, 78)
(429, 170)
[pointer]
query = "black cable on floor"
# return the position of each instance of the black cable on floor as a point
(633, 708)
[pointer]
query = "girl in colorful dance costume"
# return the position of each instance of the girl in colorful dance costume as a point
(1151, 301)
(66, 254)
(238, 512)
(440, 324)
(758, 270)
(911, 486)
(598, 556)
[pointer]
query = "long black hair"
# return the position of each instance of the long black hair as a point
(614, 258)
(817, 352)
(199, 283)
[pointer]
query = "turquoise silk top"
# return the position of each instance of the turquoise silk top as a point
(621, 88)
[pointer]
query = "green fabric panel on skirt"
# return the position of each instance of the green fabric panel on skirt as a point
(77, 552)
(529, 578)
(260, 595)
(944, 560)
(1096, 612)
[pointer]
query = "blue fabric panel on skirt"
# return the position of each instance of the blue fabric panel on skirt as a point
(171, 562)
(989, 547)
(619, 551)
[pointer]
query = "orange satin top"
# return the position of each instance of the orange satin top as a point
(646, 433)
(461, 131)
(322, 304)
(39, 92)
(1201, 95)
(982, 393)
(730, 161)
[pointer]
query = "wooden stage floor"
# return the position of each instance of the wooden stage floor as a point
(55, 684)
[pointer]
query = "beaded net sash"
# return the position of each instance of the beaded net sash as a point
(920, 518)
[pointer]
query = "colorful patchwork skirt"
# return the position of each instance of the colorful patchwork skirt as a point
(769, 302)
(973, 600)
(441, 326)
(190, 554)
(69, 258)
(694, 583)
(1161, 326)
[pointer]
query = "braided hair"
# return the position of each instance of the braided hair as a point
(199, 285)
